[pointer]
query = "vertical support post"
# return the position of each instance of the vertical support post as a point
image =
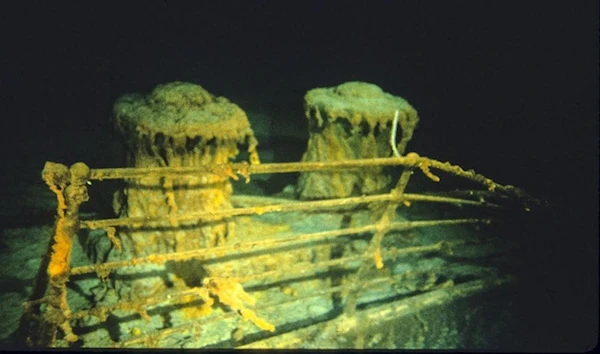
(374, 248)
(70, 186)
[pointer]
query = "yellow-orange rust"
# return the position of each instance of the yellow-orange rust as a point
(70, 187)
(352, 121)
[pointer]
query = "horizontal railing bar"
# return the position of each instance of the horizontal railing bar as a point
(309, 268)
(238, 167)
(287, 207)
(412, 160)
(207, 253)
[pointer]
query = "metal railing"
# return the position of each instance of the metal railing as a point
(49, 320)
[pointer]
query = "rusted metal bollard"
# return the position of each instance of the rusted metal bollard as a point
(352, 121)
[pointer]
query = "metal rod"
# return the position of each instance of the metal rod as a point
(374, 248)
(287, 207)
(411, 160)
(207, 253)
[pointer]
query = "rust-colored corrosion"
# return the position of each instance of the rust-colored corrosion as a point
(179, 125)
(70, 187)
(352, 121)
